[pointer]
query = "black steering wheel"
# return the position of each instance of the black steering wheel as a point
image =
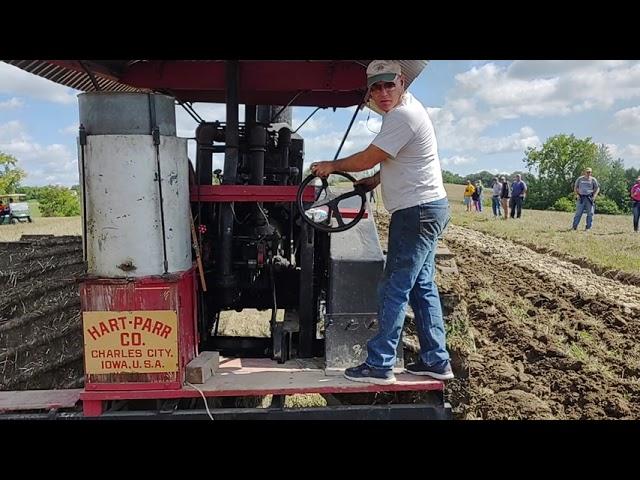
(324, 208)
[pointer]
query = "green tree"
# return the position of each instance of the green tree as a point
(631, 174)
(30, 192)
(564, 204)
(602, 163)
(485, 176)
(10, 174)
(57, 201)
(450, 177)
(606, 205)
(538, 197)
(614, 185)
(559, 162)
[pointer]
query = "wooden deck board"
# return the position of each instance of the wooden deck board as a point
(38, 399)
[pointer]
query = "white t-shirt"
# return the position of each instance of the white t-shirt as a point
(586, 185)
(411, 175)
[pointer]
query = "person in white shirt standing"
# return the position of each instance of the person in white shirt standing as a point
(495, 198)
(586, 189)
(412, 190)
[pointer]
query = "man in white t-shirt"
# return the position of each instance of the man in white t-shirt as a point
(412, 190)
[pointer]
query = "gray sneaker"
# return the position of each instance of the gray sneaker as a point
(366, 374)
(439, 373)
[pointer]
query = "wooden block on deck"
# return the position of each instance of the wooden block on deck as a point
(202, 367)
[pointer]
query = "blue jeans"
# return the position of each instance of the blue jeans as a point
(495, 206)
(408, 277)
(516, 206)
(636, 215)
(583, 204)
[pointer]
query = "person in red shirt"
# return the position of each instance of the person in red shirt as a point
(635, 199)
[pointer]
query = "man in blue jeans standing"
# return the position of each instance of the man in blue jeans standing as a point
(518, 192)
(412, 190)
(586, 189)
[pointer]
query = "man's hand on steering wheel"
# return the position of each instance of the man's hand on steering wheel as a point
(322, 169)
(368, 183)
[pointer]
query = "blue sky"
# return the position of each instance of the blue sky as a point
(486, 113)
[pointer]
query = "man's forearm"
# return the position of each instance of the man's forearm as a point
(365, 160)
(353, 163)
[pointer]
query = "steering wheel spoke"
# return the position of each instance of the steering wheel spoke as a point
(329, 204)
(339, 217)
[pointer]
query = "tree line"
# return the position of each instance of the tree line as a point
(552, 171)
(554, 167)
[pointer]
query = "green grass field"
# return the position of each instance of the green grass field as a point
(42, 226)
(611, 243)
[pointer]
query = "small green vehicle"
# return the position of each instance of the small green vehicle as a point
(12, 210)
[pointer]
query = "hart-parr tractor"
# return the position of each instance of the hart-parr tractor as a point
(173, 244)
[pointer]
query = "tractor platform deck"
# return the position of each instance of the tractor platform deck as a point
(262, 376)
(245, 377)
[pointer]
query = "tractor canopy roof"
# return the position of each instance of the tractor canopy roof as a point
(312, 83)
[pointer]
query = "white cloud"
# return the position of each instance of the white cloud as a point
(544, 88)
(464, 134)
(491, 84)
(633, 150)
(13, 102)
(209, 112)
(488, 93)
(322, 120)
(48, 164)
(312, 125)
(457, 160)
(613, 150)
(325, 145)
(517, 142)
(627, 119)
(16, 81)
(526, 69)
(630, 153)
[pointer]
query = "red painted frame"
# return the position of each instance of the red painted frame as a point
(171, 292)
(258, 193)
(249, 193)
(92, 401)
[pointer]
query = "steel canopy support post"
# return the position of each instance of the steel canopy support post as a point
(226, 278)
(306, 305)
